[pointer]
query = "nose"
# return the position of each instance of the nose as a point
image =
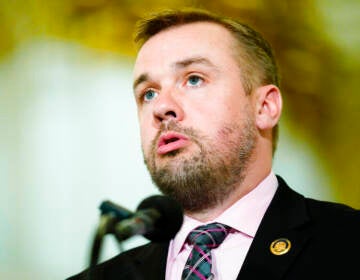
(167, 108)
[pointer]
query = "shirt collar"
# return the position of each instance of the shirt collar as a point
(236, 216)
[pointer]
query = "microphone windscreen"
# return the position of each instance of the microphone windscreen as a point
(171, 217)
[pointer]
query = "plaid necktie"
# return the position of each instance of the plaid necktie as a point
(203, 238)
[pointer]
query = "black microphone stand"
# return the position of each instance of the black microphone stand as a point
(106, 221)
(110, 215)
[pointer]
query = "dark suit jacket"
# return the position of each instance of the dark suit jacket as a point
(324, 236)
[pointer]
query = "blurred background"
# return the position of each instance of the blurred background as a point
(68, 125)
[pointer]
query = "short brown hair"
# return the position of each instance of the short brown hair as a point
(255, 56)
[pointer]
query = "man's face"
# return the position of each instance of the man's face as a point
(197, 123)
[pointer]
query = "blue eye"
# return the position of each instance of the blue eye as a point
(149, 95)
(194, 80)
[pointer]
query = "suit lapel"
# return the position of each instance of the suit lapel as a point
(285, 219)
(151, 263)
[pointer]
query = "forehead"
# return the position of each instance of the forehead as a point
(205, 39)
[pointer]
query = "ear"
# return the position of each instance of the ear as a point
(268, 106)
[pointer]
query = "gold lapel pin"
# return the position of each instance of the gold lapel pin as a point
(280, 246)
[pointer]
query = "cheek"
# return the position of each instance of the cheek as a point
(147, 135)
(214, 117)
(144, 126)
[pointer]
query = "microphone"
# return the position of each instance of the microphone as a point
(158, 218)
(118, 212)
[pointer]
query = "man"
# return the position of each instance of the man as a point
(208, 101)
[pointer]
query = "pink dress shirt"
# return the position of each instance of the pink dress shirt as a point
(244, 216)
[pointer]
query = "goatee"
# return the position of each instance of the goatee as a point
(207, 177)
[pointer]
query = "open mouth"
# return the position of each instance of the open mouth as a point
(170, 142)
(167, 141)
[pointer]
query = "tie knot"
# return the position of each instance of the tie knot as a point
(210, 235)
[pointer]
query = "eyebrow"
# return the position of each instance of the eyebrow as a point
(177, 65)
(142, 78)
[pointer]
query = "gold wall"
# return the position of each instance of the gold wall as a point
(316, 43)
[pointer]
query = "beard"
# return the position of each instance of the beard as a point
(204, 178)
